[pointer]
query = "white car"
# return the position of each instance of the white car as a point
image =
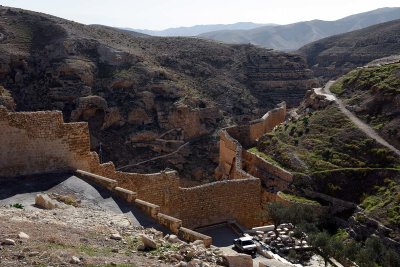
(245, 245)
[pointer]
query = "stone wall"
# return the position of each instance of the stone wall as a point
(40, 142)
(151, 209)
(247, 135)
(232, 156)
(273, 178)
(159, 188)
(217, 202)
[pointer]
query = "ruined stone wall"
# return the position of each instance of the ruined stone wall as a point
(267, 123)
(212, 203)
(160, 188)
(273, 177)
(233, 139)
(41, 142)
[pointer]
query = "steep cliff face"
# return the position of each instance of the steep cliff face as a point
(142, 96)
(336, 55)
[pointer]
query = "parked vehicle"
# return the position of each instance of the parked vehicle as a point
(245, 245)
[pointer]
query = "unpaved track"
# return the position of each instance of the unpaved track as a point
(368, 130)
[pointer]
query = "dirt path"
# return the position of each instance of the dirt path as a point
(155, 158)
(368, 130)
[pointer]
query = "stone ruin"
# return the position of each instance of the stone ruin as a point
(40, 142)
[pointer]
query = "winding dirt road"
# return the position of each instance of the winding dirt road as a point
(368, 130)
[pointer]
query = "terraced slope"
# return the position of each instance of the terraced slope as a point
(339, 54)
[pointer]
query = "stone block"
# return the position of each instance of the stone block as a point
(97, 179)
(239, 260)
(170, 222)
(148, 208)
(190, 235)
(125, 194)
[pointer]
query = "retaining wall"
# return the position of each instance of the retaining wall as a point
(236, 163)
(40, 142)
(152, 210)
(273, 177)
(222, 201)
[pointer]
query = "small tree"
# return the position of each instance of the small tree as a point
(277, 212)
(292, 255)
(391, 259)
(322, 241)
(365, 258)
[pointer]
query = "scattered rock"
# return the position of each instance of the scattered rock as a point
(75, 260)
(22, 235)
(181, 264)
(148, 242)
(198, 242)
(114, 250)
(197, 263)
(173, 239)
(116, 237)
(33, 253)
(9, 242)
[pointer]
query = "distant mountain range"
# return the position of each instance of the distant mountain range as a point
(293, 36)
(336, 55)
(200, 29)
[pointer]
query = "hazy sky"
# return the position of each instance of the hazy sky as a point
(161, 14)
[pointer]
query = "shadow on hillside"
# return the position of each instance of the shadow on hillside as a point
(24, 189)
(10, 187)
(135, 215)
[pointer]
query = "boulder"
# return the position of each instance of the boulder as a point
(75, 260)
(22, 235)
(139, 116)
(116, 237)
(112, 118)
(9, 242)
(195, 263)
(173, 239)
(45, 202)
(239, 260)
(198, 243)
(148, 242)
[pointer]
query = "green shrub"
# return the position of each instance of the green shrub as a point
(17, 206)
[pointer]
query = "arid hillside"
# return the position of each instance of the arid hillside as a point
(373, 93)
(331, 154)
(337, 55)
(142, 96)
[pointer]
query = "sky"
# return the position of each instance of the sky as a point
(162, 14)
